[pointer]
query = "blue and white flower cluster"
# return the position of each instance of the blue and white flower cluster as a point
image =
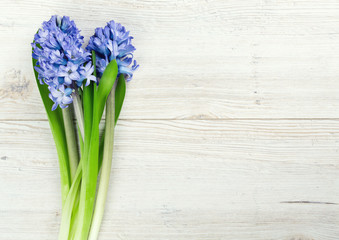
(113, 43)
(62, 63)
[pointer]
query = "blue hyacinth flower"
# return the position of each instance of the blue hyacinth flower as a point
(62, 63)
(113, 43)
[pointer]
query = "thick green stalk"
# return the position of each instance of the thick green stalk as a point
(119, 94)
(71, 141)
(69, 205)
(75, 211)
(105, 170)
(75, 217)
(85, 190)
(91, 173)
(81, 141)
(87, 97)
(70, 209)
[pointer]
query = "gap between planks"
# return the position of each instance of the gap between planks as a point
(191, 119)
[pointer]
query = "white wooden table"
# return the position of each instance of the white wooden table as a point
(230, 129)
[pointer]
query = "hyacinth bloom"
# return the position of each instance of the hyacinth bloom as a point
(61, 66)
(62, 63)
(113, 43)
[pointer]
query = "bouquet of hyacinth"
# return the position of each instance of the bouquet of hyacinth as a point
(80, 83)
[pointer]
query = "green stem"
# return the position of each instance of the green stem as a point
(71, 223)
(70, 210)
(69, 204)
(71, 140)
(87, 193)
(79, 112)
(81, 141)
(105, 170)
(75, 216)
(92, 169)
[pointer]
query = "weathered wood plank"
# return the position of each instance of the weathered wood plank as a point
(199, 59)
(185, 179)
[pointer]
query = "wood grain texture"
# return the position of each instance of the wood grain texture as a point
(186, 179)
(200, 59)
(229, 131)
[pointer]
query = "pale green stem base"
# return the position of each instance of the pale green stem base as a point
(71, 140)
(105, 169)
(69, 205)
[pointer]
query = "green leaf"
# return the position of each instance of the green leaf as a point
(94, 63)
(106, 83)
(56, 123)
(120, 92)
